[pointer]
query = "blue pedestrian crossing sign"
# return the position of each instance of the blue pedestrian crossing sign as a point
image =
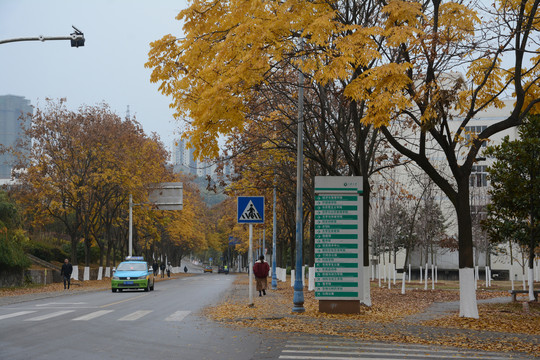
(250, 209)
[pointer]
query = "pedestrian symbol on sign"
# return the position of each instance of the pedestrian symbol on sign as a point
(250, 209)
(250, 212)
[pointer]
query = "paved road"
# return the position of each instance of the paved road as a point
(167, 324)
(161, 324)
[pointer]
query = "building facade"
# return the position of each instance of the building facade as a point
(495, 256)
(15, 113)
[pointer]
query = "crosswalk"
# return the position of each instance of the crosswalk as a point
(343, 349)
(42, 315)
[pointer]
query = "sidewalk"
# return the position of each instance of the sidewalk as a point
(381, 322)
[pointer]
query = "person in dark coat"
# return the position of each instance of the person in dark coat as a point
(261, 270)
(66, 271)
(155, 267)
(162, 267)
(185, 269)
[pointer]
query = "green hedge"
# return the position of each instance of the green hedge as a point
(45, 251)
(12, 255)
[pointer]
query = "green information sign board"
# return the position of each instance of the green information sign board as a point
(338, 238)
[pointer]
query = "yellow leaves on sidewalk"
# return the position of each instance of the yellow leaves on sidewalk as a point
(384, 321)
(497, 317)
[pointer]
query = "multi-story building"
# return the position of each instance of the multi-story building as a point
(183, 159)
(15, 113)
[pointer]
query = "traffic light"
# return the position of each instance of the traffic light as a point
(77, 37)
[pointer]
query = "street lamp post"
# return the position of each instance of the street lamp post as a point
(76, 38)
(298, 297)
(274, 247)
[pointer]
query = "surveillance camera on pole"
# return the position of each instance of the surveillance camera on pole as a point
(76, 38)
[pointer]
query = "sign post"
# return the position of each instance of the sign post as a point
(250, 210)
(164, 196)
(338, 243)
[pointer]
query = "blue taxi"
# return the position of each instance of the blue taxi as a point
(133, 273)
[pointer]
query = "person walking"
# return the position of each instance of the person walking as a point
(185, 269)
(169, 267)
(162, 267)
(155, 267)
(66, 271)
(261, 270)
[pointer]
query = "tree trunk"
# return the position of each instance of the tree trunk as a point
(74, 242)
(467, 290)
(365, 236)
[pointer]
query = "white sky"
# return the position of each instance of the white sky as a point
(110, 66)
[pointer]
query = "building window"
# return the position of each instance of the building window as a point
(478, 176)
(475, 130)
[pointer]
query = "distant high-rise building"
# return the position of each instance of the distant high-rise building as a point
(183, 159)
(15, 111)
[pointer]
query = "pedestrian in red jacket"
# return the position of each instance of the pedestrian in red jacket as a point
(261, 270)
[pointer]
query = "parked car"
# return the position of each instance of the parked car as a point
(208, 268)
(133, 273)
(223, 269)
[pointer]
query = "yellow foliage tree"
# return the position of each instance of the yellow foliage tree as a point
(395, 64)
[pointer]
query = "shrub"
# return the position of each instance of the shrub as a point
(45, 251)
(12, 256)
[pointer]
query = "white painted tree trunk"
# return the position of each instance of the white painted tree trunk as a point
(108, 272)
(432, 277)
(311, 279)
(436, 274)
(420, 274)
(75, 273)
(394, 272)
(379, 274)
(100, 273)
(293, 275)
(467, 294)
(426, 277)
(86, 275)
(476, 274)
(531, 284)
(409, 273)
(403, 284)
(512, 278)
(366, 298)
(303, 275)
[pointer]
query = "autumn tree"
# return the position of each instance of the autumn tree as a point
(81, 166)
(247, 67)
(515, 189)
(425, 42)
(393, 65)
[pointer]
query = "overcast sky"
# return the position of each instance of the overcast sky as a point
(110, 66)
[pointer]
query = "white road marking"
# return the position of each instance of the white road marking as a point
(7, 316)
(51, 315)
(136, 315)
(178, 316)
(334, 349)
(93, 315)
(61, 303)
